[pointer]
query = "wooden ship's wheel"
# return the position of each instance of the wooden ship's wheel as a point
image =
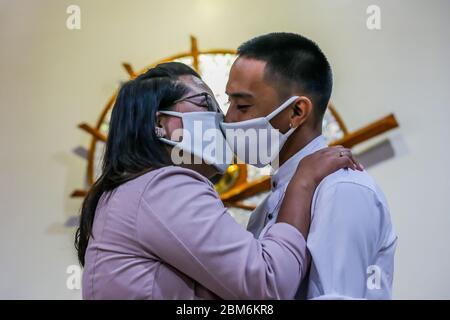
(242, 187)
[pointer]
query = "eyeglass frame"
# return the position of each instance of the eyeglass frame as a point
(210, 101)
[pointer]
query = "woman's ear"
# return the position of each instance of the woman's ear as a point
(158, 118)
(302, 110)
(159, 129)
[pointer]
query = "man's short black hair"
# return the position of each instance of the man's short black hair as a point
(293, 62)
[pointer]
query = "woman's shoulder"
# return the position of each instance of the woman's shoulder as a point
(172, 173)
(173, 180)
(160, 181)
(174, 189)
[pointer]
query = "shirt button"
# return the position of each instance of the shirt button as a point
(270, 216)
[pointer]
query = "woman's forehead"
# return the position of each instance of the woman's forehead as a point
(195, 84)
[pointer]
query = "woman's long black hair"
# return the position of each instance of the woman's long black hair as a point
(132, 147)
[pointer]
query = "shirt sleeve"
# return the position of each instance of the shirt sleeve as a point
(343, 240)
(183, 222)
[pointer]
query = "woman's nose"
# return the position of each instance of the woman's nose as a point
(229, 116)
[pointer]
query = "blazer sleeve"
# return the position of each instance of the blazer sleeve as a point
(184, 223)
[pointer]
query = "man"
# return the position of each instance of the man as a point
(351, 239)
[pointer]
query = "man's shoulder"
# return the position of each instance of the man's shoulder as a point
(359, 179)
(361, 203)
(353, 180)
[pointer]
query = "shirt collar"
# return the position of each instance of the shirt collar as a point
(284, 174)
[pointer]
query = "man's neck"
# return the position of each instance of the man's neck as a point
(295, 143)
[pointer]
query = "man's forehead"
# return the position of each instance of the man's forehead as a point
(249, 63)
(246, 75)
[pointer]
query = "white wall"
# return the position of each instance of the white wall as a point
(52, 79)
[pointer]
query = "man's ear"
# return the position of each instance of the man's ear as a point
(302, 110)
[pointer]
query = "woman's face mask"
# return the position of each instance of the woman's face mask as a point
(202, 137)
(255, 141)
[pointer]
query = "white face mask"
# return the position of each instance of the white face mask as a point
(255, 141)
(202, 138)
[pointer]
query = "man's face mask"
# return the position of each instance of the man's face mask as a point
(256, 141)
(202, 138)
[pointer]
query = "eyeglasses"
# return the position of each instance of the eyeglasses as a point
(204, 100)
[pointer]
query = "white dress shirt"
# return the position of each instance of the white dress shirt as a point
(351, 239)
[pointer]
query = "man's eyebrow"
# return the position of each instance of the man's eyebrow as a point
(239, 94)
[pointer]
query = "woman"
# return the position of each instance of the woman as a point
(150, 229)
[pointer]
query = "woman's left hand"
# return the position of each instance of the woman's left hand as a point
(315, 167)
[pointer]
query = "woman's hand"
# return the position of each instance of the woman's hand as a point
(313, 168)
(296, 206)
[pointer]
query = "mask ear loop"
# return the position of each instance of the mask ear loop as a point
(282, 107)
(172, 113)
(291, 130)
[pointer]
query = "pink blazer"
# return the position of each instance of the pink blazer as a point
(167, 235)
